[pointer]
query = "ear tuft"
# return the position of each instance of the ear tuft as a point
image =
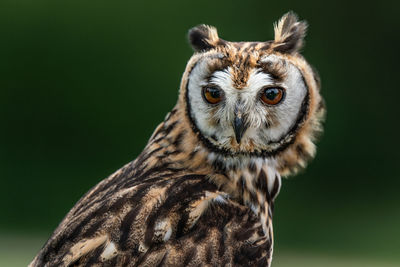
(289, 34)
(203, 38)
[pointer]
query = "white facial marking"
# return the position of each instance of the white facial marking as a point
(266, 124)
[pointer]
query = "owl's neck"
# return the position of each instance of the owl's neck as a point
(255, 180)
(252, 181)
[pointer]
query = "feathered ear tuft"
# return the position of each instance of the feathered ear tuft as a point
(289, 34)
(203, 38)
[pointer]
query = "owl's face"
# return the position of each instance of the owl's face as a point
(251, 98)
(246, 109)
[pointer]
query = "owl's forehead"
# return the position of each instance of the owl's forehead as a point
(241, 59)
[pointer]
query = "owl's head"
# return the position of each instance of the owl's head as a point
(254, 99)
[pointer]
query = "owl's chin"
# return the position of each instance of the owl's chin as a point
(247, 147)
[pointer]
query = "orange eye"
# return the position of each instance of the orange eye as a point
(272, 96)
(212, 95)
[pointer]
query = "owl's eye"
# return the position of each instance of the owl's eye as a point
(272, 96)
(212, 95)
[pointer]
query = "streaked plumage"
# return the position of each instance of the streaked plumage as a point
(202, 191)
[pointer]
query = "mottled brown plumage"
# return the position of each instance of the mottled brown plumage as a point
(196, 196)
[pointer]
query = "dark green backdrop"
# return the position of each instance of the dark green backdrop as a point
(84, 83)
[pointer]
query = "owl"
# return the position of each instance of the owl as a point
(202, 192)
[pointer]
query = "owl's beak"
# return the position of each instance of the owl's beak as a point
(239, 126)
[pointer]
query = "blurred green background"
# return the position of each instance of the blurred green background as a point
(84, 83)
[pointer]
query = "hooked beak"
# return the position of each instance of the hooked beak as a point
(239, 126)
